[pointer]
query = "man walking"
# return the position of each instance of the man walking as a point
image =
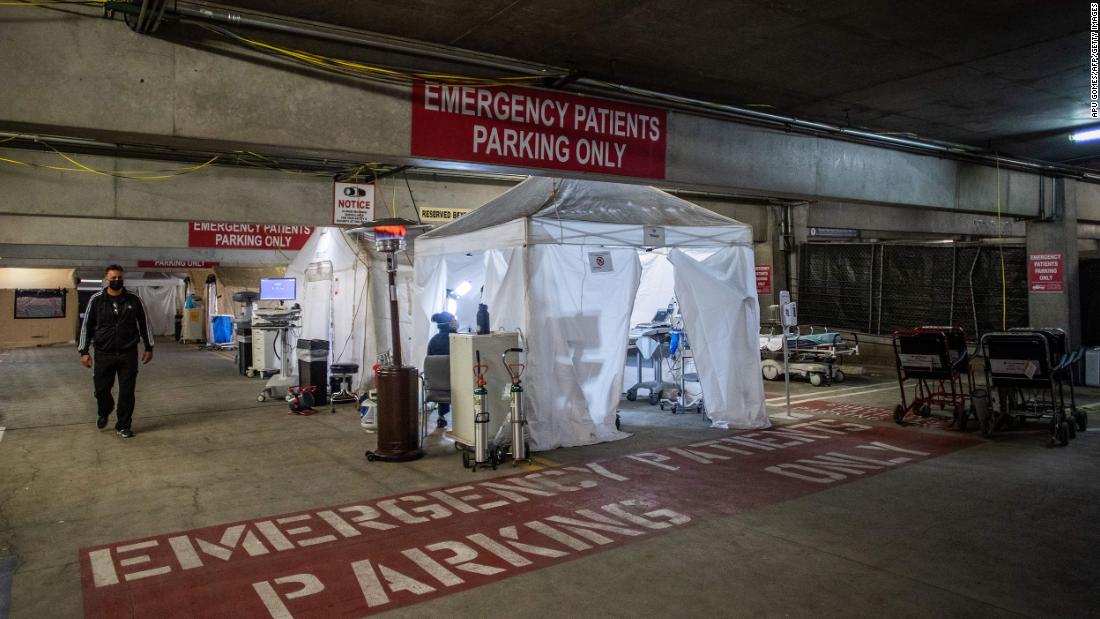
(114, 322)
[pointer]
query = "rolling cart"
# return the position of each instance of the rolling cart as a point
(937, 361)
(1031, 373)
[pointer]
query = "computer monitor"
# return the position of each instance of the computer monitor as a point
(660, 317)
(277, 289)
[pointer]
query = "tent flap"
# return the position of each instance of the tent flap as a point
(579, 325)
(717, 298)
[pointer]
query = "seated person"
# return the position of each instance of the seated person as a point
(440, 344)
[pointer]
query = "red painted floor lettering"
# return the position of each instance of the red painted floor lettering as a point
(378, 554)
(872, 413)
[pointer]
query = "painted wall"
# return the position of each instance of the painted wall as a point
(42, 331)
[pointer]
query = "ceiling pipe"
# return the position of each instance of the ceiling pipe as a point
(188, 11)
(235, 17)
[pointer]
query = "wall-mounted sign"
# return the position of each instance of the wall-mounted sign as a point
(176, 264)
(441, 215)
(352, 203)
(834, 233)
(246, 236)
(1045, 273)
(764, 279)
(526, 127)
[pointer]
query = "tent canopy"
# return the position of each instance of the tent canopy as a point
(559, 261)
(577, 212)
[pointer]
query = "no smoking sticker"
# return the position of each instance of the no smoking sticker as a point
(600, 262)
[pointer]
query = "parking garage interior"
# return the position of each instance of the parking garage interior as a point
(781, 309)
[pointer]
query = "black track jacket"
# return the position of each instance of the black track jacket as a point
(114, 324)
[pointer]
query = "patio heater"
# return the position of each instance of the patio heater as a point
(397, 383)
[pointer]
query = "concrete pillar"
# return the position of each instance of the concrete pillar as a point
(800, 229)
(778, 247)
(1057, 234)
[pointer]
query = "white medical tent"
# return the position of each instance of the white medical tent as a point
(342, 290)
(561, 261)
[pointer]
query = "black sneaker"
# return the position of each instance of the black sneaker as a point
(101, 422)
(126, 433)
(441, 422)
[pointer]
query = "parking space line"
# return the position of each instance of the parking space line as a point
(780, 398)
(837, 395)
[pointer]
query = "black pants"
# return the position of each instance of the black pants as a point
(106, 366)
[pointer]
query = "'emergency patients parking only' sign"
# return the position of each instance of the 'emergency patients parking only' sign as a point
(1045, 273)
(526, 127)
(222, 235)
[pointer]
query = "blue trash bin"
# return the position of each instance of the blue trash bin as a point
(223, 329)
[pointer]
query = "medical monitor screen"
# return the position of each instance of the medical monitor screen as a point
(277, 289)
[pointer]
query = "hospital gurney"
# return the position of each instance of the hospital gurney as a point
(938, 361)
(1031, 371)
(818, 355)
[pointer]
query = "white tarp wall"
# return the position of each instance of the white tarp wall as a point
(655, 291)
(536, 244)
(497, 279)
(717, 297)
(160, 297)
(332, 290)
(578, 339)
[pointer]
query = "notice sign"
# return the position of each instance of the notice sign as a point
(352, 203)
(442, 215)
(176, 264)
(246, 236)
(533, 128)
(764, 279)
(1045, 273)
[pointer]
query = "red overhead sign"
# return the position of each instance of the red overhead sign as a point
(527, 127)
(246, 236)
(175, 264)
(1045, 273)
(764, 279)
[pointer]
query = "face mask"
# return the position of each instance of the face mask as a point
(115, 284)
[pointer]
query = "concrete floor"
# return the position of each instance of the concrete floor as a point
(1000, 527)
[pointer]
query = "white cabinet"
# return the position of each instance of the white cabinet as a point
(193, 328)
(263, 349)
(464, 347)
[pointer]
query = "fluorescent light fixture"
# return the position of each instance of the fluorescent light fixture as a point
(1085, 136)
(452, 306)
(91, 281)
(463, 288)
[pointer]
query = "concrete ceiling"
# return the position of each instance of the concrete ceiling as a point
(1010, 75)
